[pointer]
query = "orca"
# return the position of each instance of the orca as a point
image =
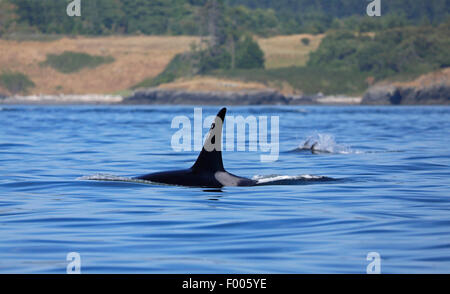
(313, 148)
(208, 170)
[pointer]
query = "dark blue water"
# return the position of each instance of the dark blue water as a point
(391, 193)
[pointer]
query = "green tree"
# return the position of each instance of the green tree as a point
(394, 51)
(249, 55)
(15, 82)
(7, 16)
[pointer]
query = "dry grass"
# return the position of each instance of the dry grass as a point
(436, 78)
(284, 51)
(205, 83)
(136, 58)
(280, 51)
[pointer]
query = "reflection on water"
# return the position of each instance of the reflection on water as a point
(318, 214)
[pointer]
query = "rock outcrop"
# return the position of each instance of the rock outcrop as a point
(254, 97)
(394, 95)
(430, 89)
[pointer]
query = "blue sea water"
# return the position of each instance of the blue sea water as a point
(390, 193)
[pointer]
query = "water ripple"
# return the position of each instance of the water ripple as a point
(66, 185)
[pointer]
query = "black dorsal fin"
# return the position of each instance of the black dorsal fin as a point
(210, 158)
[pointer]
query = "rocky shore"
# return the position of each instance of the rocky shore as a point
(377, 95)
(395, 95)
(430, 89)
(253, 97)
(160, 96)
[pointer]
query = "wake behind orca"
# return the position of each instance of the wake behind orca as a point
(208, 170)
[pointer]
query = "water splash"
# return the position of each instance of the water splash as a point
(324, 143)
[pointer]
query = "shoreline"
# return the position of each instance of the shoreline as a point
(96, 99)
(158, 96)
(378, 95)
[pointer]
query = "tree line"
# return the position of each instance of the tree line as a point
(411, 50)
(102, 17)
(183, 17)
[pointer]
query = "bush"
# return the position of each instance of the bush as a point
(212, 59)
(306, 41)
(181, 65)
(16, 82)
(306, 79)
(249, 55)
(388, 53)
(69, 62)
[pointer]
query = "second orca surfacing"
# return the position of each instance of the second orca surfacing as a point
(208, 170)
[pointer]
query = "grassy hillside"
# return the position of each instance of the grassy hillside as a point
(304, 80)
(342, 62)
(135, 58)
(136, 61)
(280, 52)
(286, 51)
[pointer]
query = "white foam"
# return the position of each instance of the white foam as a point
(275, 178)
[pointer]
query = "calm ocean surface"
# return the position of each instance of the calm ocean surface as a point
(391, 193)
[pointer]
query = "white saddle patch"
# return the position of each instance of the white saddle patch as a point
(226, 179)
